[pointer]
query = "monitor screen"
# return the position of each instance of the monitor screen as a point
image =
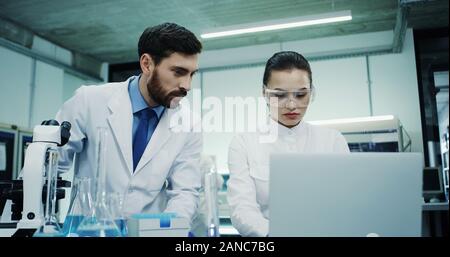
(26, 140)
(432, 180)
(7, 142)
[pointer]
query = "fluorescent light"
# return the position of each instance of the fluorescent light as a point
(352, 120)
(280, 24)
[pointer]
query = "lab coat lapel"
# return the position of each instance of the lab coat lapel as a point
(120, 122)
(160, 136)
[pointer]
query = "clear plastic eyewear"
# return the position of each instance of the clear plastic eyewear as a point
(280, 98)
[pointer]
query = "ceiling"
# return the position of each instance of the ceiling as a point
(108, 30)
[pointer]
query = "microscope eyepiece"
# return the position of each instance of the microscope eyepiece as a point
(50, 123)
(66, 125)
(65, 132)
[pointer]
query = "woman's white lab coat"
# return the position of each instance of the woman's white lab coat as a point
(248, 163)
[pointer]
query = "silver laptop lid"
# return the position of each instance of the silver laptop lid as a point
(359, 194)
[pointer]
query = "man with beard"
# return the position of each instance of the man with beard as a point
(148, 161)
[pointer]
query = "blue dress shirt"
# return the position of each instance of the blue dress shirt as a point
(138, 103)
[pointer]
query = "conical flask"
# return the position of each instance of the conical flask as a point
(80, 206)
(99, 222)
(51, 227)
(115, 205)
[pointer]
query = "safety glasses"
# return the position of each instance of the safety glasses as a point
(282, 98)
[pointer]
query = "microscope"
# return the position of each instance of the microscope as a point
(35, 194)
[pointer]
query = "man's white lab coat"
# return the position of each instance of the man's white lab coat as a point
(167, 177)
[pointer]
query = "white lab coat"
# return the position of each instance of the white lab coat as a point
(248, 163)
(167, 177)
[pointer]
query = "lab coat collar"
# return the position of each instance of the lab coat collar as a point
(120, 120)
(282, 131)
(163, 132)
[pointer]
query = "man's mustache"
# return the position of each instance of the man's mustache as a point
(182, 92)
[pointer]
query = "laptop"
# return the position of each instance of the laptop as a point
(345, 195)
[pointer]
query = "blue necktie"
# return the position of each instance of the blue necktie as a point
(140, 138)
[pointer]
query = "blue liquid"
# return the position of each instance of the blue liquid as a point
(122, 225)
(92, 228)
(54, 234)
(71, 224)
(99, 232)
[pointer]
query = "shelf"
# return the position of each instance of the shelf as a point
(435, 206)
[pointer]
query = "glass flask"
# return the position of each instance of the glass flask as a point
(80, 206)
(51, 227)
(210, 190)
(115, 205)
(212, 212)
(99, 221)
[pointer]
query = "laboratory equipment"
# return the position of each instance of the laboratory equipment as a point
(371, 134)
(356, 194)
(157, 225)
(212, 213)
(8, 146)
(115, 205)
(25, 138)
(445, 161)
(206, 220)
(99, 221)
(11, 202)
(39, 185)
(80, 205)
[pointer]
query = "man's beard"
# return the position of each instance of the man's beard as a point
(162, 96)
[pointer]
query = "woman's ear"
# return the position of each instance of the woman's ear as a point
(147, 64)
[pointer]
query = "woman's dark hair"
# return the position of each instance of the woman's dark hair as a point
(162, 40)
(286, 60)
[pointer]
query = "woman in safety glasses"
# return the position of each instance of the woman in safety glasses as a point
(288, 89)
